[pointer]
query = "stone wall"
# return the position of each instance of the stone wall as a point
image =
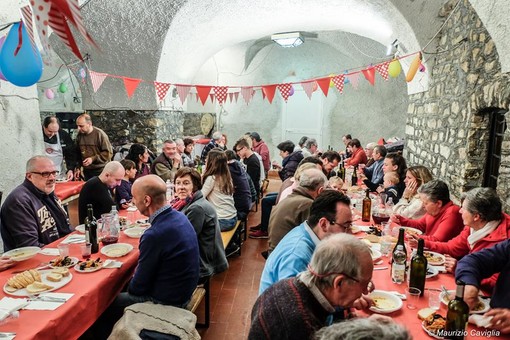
(447, 127)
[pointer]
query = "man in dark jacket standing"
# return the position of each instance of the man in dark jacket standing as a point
(32, 215)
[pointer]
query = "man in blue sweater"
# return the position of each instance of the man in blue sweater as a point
(168, 265)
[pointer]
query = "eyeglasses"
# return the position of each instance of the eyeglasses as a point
(347, 225)
(370, 285)
(237, 150)
(46, 174)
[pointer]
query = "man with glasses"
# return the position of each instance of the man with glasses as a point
(330, 214)
(339, 273)
(32, 215)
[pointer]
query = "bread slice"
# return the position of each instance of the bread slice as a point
(54, 277)
(38, 287)
(60, 270)
(424, 313)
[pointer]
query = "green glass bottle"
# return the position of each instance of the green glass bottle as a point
(418, 269)
(457, 315)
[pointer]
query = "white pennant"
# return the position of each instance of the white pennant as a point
(308, 87)
(247, 93)
(97, 79)
(183, 91)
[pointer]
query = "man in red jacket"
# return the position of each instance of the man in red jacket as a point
(485, 226)
(358, 155)
(260, 147)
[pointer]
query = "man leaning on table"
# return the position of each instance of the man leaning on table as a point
(168, 265)
(32, 215)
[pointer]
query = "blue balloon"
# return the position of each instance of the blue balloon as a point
(24, 69)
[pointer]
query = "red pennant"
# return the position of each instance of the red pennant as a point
(263, 94)
(383, 69)
(324, 84)
(161, 89)
(339, 82)
(369, 74)
(58, 23)
(269, 91)
(203, 92)
(131, 84)
(285, 90)
(71, 10)
(236, 96)
(308, 87)
(220, 93)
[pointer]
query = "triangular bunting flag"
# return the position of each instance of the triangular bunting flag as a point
(353, 79)
(183, 91)
(247, 93)
(161, 89)
(97, 79)
(71, 10)
(308, 87)
(221, 93)
(203, 92)
(236, 96)
(339, 82)
(41, 10)
(263, 94)
(269, 91)
(285, 90)
(211, 95)
(383, 69)
(369, 74)
(131, 84)
(58, 23)
(324, 84)
(230, 96)
(26, 15)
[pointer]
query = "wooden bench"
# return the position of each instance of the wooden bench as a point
(227, 236)
(198, 295)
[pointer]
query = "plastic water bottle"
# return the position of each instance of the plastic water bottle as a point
(398, 267)
(169, 190)
(389, 206)
(115, 219)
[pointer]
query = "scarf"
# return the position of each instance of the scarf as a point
(178, 203)
(477, 235)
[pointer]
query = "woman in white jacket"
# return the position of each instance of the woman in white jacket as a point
(410, 205)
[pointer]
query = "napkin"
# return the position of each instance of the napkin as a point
(132, 209)
(112, 264)
(74, 238)
(480, 320)
(9, 305)
(39, 303)
(50, 252)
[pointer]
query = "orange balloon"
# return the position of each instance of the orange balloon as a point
(413, 68)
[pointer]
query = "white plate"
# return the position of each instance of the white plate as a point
(22, 254)
(135, 232)
(433, 272)
(440, 261)
(116, 250)
(413, 230)
(393, 300)
(486, 302)
(429, 332)
(80, 228)
(356, 228)
(56, 285)
(88, 270)
(74, 261)
(376, 254)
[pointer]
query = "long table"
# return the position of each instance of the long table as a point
(93, 292)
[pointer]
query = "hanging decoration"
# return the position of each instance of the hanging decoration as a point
(413, 68)
(269, 91)
(394, 68)
(308, 87)
(382, 69)
(220, 92)
(369, 74)
(353, 79)
(161, 89)
(183, 91)
(203, 92)
(285, 90)
(339, 82)
(49, 94)
(97, 79)
(131, 84)
(62, 88)
(247, 93)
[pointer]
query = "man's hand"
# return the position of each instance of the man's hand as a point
(70, 175)
(471, 296)
(77, 174)
(364, 302)
(500, 319)
(6, 263)
(450, 263)
(87, 161)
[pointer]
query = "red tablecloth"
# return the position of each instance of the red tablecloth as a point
(65, 190)
(93, 292)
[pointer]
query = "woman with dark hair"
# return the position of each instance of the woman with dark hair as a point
(139, 154)
(395, 162)
(187, 159)
(218, 189)
(201, 214)
(442, 220)
(290, 160)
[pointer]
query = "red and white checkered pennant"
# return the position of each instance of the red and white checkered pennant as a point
(339, 82)
(247, 93)
(183, 91)
(383, 69)
(220, 92)
(308, 87)
(161, 89)
(97, 79)
(285, 90)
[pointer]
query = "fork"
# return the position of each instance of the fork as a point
(446, 293)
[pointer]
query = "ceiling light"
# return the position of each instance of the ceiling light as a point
(291, 39)
(392, 48)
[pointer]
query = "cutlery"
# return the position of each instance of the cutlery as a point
(445, 292)
(6, 335)
(400, 295)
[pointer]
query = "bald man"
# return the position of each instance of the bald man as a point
(168, 265)
(98, 191)
(32, 215)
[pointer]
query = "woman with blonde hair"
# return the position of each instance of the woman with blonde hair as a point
(218, 189)
(410, 205)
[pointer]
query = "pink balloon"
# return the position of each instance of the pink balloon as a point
(2, 39)
(49, 94)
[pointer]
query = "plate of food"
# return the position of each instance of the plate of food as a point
(433, 325)
(431, 272)
(384, 302)
(481, 307)
(116, 250)
(89, 266)
(412, 231)
(22, 254)
(34, 281)
(135, 232)
(66, 262)
(433, 258)
(80, 228)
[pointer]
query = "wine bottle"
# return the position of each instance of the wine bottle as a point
(342, 170)
(398, 267)
(354, 179)
(457, 315)
(367, 208)
(418, 269)
(91, 229)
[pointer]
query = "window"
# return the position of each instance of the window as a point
(497, 128)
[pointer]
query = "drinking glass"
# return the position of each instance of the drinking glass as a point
(63, 250)
(86, 249)
(434, 299)
(412, 295)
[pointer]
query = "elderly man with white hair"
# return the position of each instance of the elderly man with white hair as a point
(215, 142)
(98, 191)
(339, 273)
